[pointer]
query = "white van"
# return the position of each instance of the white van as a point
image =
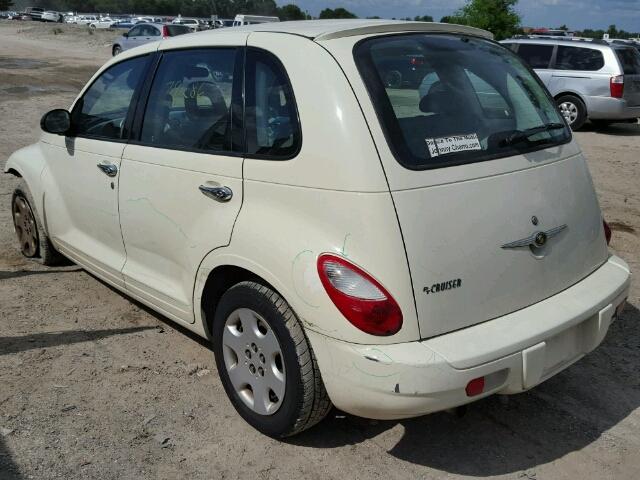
(241, 20)
(338, 240)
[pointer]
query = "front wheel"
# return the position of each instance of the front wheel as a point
(573, 110)
(117, 50)
(265, 362)
(32, 239)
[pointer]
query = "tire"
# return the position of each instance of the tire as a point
(250, 307)
(117, 50)
(573, 110)
(393, 79)
(32, 238)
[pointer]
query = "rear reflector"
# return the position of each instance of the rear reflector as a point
(617, 86)
(359, 297)
(475, 387)
(607, 231)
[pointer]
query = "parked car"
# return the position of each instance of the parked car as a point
(123, 23)
(146, 33)
(34, 12)
(589, 79)
(50, 16)
(241, 20)
(459, 252)
(86, 19)
(192, 23)
(102, 22)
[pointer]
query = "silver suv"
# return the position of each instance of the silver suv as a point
(589, 79)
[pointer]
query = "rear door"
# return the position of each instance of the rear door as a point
(581, 70)
(629, 59)
(181, 187)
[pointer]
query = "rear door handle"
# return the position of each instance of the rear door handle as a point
(220, 194)
(108, 169)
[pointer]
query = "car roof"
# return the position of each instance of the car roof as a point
(566, 41)
(330, 29)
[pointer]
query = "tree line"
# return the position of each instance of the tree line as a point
(497, 16)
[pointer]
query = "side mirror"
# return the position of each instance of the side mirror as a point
(125, 34)
(56, 121)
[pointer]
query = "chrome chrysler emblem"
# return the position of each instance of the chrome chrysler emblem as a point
(536, 240)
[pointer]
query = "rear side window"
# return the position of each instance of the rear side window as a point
(175, 30)
(271, 116)
(465, 101)
(537, 56)
(104, 107)
(629, 59)
(190, 102)
(577, 58)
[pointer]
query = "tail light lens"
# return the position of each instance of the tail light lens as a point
(607, 231)
(617, 86)
(165, 32)
(359, 297)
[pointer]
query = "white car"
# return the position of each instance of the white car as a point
(49, 16)
(338, 240)
(192, 23)
(86, 19)
(103, 22)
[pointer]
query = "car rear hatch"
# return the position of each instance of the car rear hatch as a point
(496, 205)
(629, 59)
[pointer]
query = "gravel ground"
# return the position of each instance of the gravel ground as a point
(93, 385)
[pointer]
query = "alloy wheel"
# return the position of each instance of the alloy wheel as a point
(570, 111)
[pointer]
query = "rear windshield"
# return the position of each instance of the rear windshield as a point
(177, 30)
(447, 100)
(629, 59)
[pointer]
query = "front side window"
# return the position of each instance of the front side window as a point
(190, 102)
(472, 100)
(135, 32)
(578, 58)
(537, 56)
(271, 116)
(103, 109)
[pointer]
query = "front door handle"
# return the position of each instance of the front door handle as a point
(221, 194)
(108, 169)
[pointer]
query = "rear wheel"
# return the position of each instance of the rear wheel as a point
(265, 362)
(32, 239)
(573, 110)
(393, 79)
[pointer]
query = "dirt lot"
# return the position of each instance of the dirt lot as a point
(92, 385)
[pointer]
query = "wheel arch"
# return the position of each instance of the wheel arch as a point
(217, 274)
(571, 93)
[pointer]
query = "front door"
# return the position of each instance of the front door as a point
(181, 188)
(81, 184)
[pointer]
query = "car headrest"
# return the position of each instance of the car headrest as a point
(440, 99)
(204, 100)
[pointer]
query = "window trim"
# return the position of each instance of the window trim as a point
(141, 108)
(133, 104)
(390, 137)
(289, 87)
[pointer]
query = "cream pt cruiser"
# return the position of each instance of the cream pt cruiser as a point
(388, 217)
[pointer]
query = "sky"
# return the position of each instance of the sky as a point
(576, 14)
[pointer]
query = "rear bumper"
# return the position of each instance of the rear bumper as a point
(514, 353)
(607, 108)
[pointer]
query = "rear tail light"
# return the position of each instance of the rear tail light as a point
(165, 32)
(607, 231)
(359, 297)
(475, 387)
(617, 86)
(416, 61)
